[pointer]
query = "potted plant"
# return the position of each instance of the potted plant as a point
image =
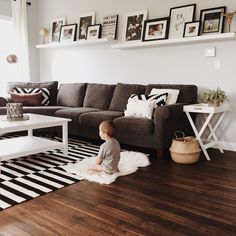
(214, 97)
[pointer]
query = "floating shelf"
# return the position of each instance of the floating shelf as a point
(166, 42)
(78, 43)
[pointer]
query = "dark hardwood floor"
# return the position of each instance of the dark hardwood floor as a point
(163, 199)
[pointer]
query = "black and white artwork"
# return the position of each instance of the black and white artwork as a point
(85, 20)
(56, 28)
(109, 26)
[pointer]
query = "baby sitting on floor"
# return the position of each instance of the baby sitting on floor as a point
(109, 153)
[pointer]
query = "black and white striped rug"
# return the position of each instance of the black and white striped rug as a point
(28, 177)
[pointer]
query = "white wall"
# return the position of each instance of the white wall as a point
(170, 64)
(5, 8)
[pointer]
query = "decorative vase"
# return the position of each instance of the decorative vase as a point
(214, 104)
(14, 110)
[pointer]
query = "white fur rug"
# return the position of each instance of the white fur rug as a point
(129, 163)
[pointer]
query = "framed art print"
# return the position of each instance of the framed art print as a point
(109, 26)
(133, 25)
(56, 28)
(85, 20)
(94, 31)
(192, 29)
(212, 20)
(68, 33)
(156, 29)
(178, 17)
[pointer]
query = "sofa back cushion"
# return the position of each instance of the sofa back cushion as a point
(71, 95)
(187, 93)
(122, 93)
(98, 96)
(52, 86)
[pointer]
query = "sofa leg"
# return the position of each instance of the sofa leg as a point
(160, 153)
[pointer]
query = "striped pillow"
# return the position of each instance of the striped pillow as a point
(45, 93)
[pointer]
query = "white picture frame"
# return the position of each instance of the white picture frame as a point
(55, 28)
(85, 20)
(133, 25)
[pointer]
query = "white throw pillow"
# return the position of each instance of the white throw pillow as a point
(139, 108)
(172, 94)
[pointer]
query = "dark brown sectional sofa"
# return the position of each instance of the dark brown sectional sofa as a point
(88, 104)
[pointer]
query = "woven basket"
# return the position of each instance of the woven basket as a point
(185, 150)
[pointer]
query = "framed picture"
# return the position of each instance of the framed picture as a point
(55, 28)
(85, 20)
(178, 17)
(212, 20)
(156, 29)
(94, 31)
(109, 27)
(68, 33)
(133, 25)
(192, 29)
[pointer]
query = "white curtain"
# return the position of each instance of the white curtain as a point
(19, 15)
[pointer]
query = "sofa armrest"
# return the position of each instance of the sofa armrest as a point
(169, 111)
(3, 101)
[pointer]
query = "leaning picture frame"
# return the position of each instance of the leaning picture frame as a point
(133, 25)
(56, 28)
(178, 17)
(68, 33)
(212, 20)
(94, 32)
(156, 29)
(109, 26)
(85, 20)
(192, 29)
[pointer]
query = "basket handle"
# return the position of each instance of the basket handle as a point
(179, 132)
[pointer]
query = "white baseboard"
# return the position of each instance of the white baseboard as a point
(228, 146)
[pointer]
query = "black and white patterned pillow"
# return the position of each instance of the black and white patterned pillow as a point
(45, 93)
(160, 98)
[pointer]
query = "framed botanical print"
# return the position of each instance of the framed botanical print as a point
(133, 25)
(85, 20)
(191, 29)
(156, 29)
(55, 28)
(68, 33)
(94, 31)
(109, 26)
(178, 17)
(212, 20)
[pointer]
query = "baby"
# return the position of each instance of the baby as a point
(109, 152)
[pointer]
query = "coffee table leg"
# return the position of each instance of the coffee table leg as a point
(30, 132)
(65, 139)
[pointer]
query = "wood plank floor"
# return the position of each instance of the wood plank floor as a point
(163, 199)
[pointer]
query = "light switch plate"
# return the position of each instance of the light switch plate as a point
(210, 52)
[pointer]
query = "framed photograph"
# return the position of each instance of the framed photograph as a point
(68, 33)
(178, 17)
(55, 28)
(212, 20)
(109, 27)
(133, 25)
(85, 20)
(192, 29)
(94, 32)
(156, 29)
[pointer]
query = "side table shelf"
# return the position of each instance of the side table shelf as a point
(208, 113)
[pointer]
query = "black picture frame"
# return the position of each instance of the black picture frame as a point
(212, 20)
(191, 29)
(94, 32)
(110, 26)
(68, 33)
(156, 29)
(178, 17)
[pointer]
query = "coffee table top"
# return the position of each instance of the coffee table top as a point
(35, 121)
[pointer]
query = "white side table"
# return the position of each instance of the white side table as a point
(208, 113)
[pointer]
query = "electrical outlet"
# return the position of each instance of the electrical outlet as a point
(217, 65)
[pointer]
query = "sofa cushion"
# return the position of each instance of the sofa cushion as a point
(98, 96)
(71, 95)
(94, 119)
(27, 99)
(122, 93)
(134, 125)
(187, 94)
(52, 86)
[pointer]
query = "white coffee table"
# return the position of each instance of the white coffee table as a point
(27, 145)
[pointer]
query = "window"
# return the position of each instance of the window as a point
(7, 46)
